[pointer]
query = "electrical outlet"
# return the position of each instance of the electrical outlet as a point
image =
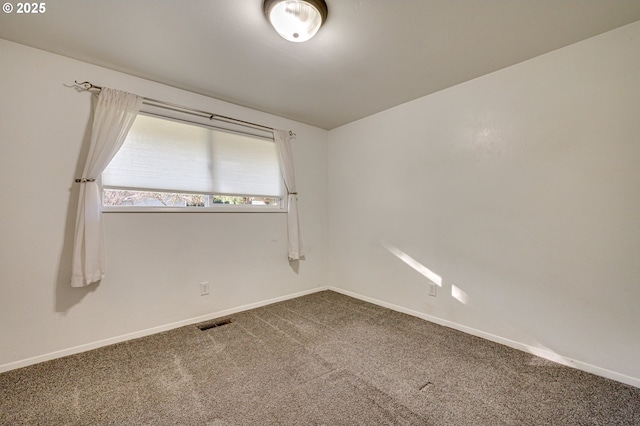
(204, 288)
(433, 290)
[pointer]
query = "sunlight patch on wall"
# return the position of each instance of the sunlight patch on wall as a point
(417, 266)
(546, 355)
(459, 294)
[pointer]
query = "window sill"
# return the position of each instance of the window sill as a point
(221, 209)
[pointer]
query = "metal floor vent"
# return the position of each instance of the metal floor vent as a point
(211, 325)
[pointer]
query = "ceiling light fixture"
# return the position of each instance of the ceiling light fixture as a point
(296, 20)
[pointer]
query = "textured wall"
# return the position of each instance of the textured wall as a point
(521, 189)
(155, 261)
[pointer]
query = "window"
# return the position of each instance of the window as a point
(174, 165)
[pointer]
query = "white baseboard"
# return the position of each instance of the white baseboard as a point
(542, 353)
(632, 381)
(142, 333)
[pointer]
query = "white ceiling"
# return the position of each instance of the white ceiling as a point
(369, 56)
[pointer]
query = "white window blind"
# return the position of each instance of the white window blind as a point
(166, 155)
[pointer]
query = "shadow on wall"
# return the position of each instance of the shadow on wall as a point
(295, 265)
(65, 296)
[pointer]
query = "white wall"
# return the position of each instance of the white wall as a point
(521, 189)
(156, 261)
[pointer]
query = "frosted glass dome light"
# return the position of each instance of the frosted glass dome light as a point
(296, 20)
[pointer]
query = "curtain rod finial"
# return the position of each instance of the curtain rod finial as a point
(85, 85)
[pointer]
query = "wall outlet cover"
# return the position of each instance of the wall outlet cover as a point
(433, 290)
(204, 289)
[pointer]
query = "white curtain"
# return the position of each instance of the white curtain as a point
(281, 138)
(114, 114)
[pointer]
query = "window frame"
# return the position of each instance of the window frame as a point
(222, 208)
(149, 110)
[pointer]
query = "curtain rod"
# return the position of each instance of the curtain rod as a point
(86, 85)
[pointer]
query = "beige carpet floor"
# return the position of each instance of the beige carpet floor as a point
(322, 359)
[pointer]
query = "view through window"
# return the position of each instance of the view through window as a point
(120, 197)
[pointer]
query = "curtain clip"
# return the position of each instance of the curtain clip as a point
(84, 180)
